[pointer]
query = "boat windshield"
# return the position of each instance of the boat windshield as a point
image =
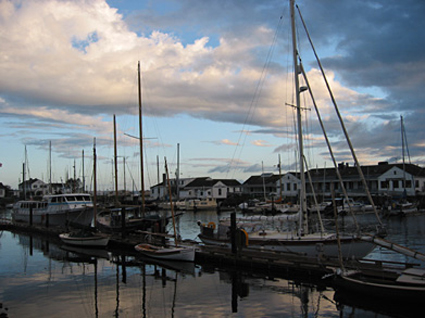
(79, 198)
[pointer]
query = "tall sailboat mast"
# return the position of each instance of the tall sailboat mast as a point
(50, 167)
(141, 141)
(115, 162)
(303, 199)
(94, 182)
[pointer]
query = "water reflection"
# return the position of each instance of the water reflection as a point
(49, 279)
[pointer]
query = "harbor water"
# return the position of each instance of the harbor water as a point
(42, 278)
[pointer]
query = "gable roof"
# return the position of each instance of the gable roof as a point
(259, 180)
(371, 171)
(209, 183)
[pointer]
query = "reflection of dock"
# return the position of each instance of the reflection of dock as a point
(275, 262)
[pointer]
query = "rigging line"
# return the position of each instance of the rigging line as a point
(405, 139)
(359, 169)
(258, 88)
(341, 182)
(157, 130)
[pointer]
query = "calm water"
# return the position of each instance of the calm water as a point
(39, 278)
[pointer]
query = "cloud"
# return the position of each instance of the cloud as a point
(261, 143)
(70, 65)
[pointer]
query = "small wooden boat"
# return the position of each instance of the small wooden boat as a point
(85, 238)
(175, 253)
(407, 286)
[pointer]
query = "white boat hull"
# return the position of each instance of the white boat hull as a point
(97, 240)
(312, 246)
(178, 253)
(55, 210)
(82, 216)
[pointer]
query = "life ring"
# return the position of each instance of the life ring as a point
(211, 225)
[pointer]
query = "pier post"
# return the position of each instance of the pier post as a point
(30, 215)
(123, 222)
(233, 232)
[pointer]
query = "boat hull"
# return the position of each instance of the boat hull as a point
(112, 223)
(97, 240)
(381, 288)
(314, 247)
(179, 253)
(83, 216)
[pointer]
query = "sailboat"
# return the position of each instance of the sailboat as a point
(116, 218)
(403, 206)
(302, 240)
(175, 252)
(84, 237)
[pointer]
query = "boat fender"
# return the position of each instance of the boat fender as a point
(246, 237)
(211, 225)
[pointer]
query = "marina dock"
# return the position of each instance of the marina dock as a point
(247, 259)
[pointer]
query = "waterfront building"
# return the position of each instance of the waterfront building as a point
(197, 188)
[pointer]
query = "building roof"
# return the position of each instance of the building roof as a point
(259, 180)
(370, 172)
(209, 183)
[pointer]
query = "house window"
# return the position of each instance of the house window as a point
(288, 187)
(384, 185)
(219, 191)
(295, 187)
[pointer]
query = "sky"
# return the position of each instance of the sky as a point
(216, 84)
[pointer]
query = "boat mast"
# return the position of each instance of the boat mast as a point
(94, 183)
(178, 173)
(50, 167)
(141, 141)
(402, 154)
(115, 162)
(171, 201)
(280, 180)
(23, 182)
(84, 177)
(353, 154)
(303, 199)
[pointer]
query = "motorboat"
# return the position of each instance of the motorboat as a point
(55, 210)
